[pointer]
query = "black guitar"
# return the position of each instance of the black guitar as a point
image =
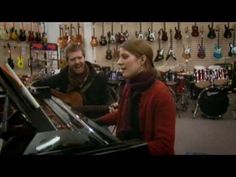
(164, 36)
(160, 52)
(178, 34)
(212, 33)
(195, 32)
(103, 40)
(108, 52)
(228, 33)
(10, 60)
(38, 37)
(22, 35)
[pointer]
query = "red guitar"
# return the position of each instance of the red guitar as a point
(31, 37)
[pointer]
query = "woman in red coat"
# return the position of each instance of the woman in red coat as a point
(146, 108)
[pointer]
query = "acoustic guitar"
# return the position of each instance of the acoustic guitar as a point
(94, 40)
(78, 38)
(75, 100)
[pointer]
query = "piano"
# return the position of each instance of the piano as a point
(41, 124)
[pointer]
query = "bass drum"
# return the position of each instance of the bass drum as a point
(214, 101)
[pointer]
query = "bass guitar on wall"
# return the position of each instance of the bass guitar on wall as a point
(218, 50)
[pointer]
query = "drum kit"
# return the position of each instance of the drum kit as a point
(209, 85)
(212, 85)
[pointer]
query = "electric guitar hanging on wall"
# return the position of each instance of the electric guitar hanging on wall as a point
(171, 52)
(218, 50)
(195, 32)
(164, 36)
(139, 34)
(151, 34)
(187, 50)
(232, 46)
(160, 51)
(212, 33)
(20, 60)
(201, 49)
(111, 36)
(10, 60)
(178, 34)
(103, 40)
(22, 35)
(228, 33)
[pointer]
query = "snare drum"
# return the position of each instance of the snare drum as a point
(201, 77)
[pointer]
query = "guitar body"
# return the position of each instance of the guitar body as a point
(94, 41)
(227, 33)
(164, 36)
(20, 62)
(171, 54)
(212, 33)
(31, 37)
(108, 54)
(13, 34)
(217, 53)
(201, 52)
(187, 53)
(78, 39)
(232, 50)
(178, 34)
(103, 41)
(5, 35)
(160, 55)
(11, 63)
(195, 32)
(38, 37)
(22, 35)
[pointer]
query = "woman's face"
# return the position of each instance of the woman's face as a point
(129, 64)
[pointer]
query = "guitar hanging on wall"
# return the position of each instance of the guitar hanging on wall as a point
(218, 50)
(164, 36)
(228, 33)
(201, 49)
(178, 34)
(103, 40)
(212, 33)
(187, 50)
(195, 32)
(232, 46)
(13, 33)
(20, 60)
(151, 34)
(171, 52)
(78, 38)
(139, 34)
(108, 52)
(22, 35)
(111, 36)
(94, 41)
(10, 60)
(38, 37)
(160, 51)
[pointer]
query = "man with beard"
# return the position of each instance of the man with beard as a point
(80, 76)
